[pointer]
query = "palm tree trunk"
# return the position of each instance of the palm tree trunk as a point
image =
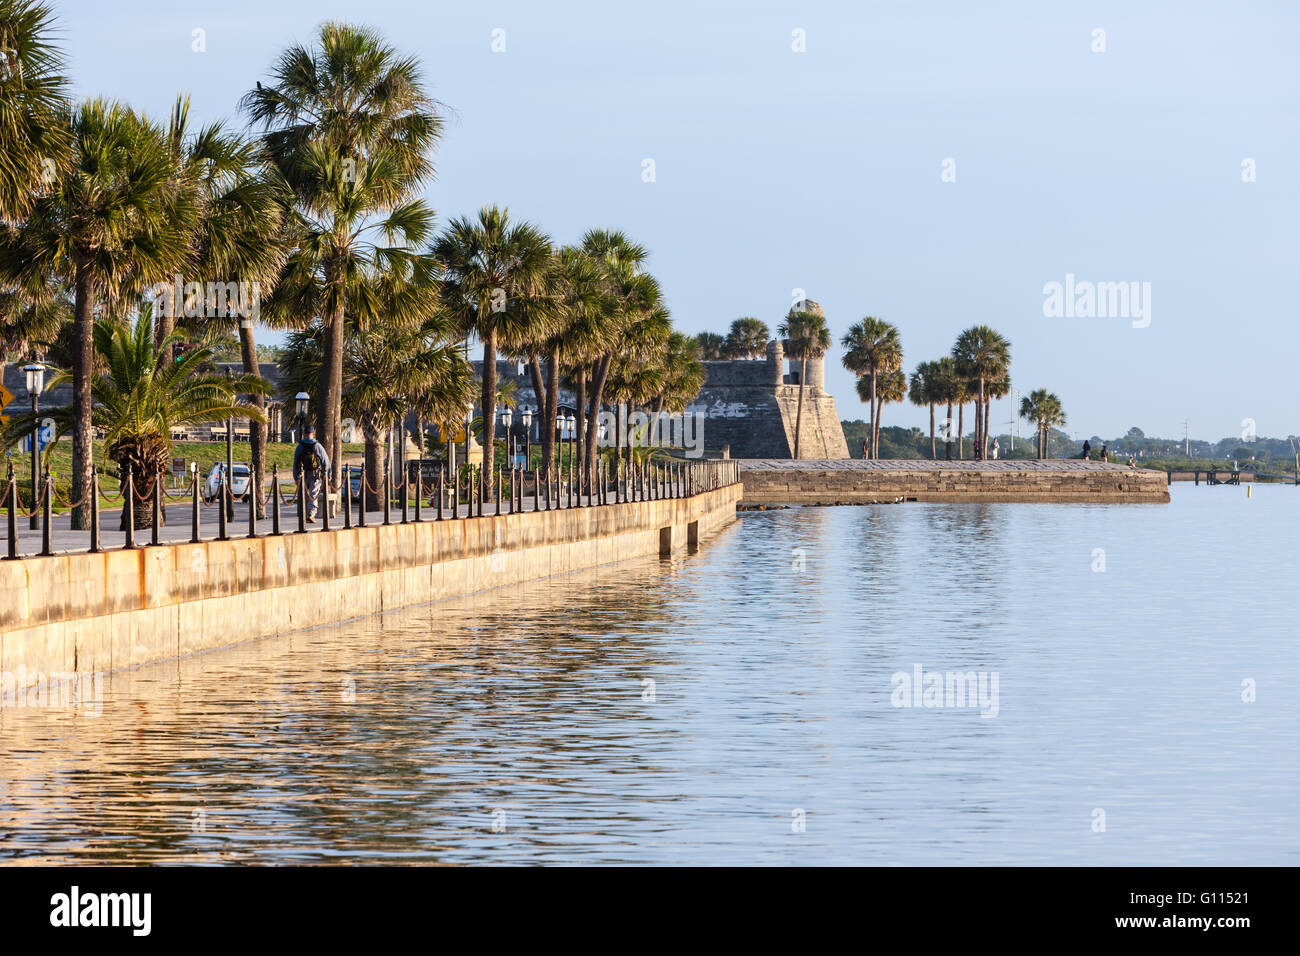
(256, 429)
(331, 390)
(489, 400)
(580, 411)
(552, 400)
(798, 415)
(933, 449)
(375, 463)
(164, 325)
(947, 442)
(875, 434)
(593, 419)
(961, 431)
(83, 350)
(543, 402)
(981, 426)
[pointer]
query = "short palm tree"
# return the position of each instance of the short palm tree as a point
(497, 278)
(138, 403)
(28, 324)
(33, 102)
(747, 339)
(713, 347)
(872, 348)
(981, 354)
(1045, 410)
(806, 336)
(117, 221)
(350, 129)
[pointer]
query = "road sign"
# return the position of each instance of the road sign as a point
(6, 397)
(46, 432)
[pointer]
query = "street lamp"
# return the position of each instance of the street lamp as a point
(528, 436)
(507, 416)
(230, 454)
(35, 385)
(570, 424)
(300, 407)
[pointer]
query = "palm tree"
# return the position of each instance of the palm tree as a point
(34, 134)
(873, 348)
(713, 347)
(497, 276)
(806, 336)
(239, 238)
(945, 382)
(28, 323)
(747, 339)
(924, 389)
(137, 403)
(115, 223)
(981, 354)
(349, 127)
(633, 312)
(1045, 410)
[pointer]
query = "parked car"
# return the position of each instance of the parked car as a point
(240, 476)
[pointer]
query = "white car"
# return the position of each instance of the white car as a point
(238, 484)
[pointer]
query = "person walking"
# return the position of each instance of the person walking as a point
(311, 463)
(1087, 450)
(996, 449)
(1105, 453)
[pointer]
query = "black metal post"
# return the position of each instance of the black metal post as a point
(11, 505)
(157, 508)
(253, 495)
(301, 501)
(194, 507)
(346, 492)
(441, 477)
(419, 486)
(128, 510)
(406, 500)
(94, 511)
(46, 530)
(223, 518)
(455, 493)
(324, 504)
(275, 495)
(388, 495)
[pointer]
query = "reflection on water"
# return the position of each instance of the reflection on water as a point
(734, 706)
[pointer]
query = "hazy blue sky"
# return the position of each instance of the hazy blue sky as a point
(778, 170)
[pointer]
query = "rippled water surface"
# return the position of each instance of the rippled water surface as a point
(518, 726)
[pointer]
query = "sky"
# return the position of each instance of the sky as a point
(935, 164)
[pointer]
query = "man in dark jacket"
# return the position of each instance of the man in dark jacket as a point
(310, 464)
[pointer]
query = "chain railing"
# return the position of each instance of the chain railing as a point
(460, 493)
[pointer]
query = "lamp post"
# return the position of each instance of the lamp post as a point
(300, 408)
(35, 385)
(469, 415)
(572, 424)
(528, 437)
(229, 503)
(507, 418)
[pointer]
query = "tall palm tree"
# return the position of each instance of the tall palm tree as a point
(348, 125)
(634, 314)
(117, 221)
(240, 237)
(945, 382)
(713, 347)
(34, 136)
(497, 278)
(997, 387)
(924, 390)
(806, 336)
(747, 339)
(873, 348)
(981, 354)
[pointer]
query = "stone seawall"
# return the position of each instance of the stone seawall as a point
(92, 613)
(859, 482)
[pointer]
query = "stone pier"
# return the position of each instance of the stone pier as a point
(856, 481)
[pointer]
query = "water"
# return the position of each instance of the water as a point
(513, 726)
